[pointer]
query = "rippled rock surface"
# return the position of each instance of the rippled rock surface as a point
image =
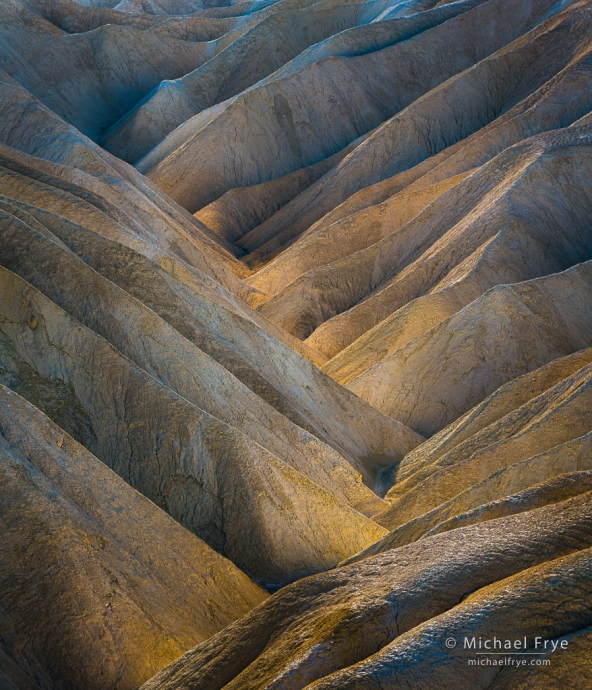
(295, 344)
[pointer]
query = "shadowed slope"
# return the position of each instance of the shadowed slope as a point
(30, 127)
(154, 345)
(208, 475)
(70, 16)
(330, 621)
(115, 588)
(365, 437)
(100, 74)
(243, 209)
(283, 31)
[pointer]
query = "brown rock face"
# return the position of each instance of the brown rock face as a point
(115, 588)
(207, 474)
(359, 616)
(302, 399)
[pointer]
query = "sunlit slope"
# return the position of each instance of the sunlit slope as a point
(363, 618)
(115, 588)
(329, 336)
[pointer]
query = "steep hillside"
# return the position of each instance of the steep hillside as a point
(361, 616)
(115, 588)
(295, 344)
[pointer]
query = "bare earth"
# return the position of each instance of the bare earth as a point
(295, 344)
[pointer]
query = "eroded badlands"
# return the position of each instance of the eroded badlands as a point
(295, 343)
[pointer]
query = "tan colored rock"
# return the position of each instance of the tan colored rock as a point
(115, 589)
(209, 476)
(509, 331)
(365, 437)
(344, 237)
(236, 335)
(29, 127)
(162, 7)
(363, 612)
(254, 54)
(497, 489)
(459, 245)
(277, 30)
(157, 347)
(502, 402)
(549, 601)
(238, 214)
(196, 28)
(555, 417)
